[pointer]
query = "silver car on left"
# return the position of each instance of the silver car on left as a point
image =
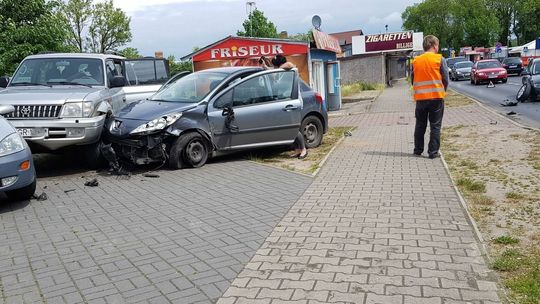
(17, 172)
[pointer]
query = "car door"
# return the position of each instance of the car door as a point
(261, 110)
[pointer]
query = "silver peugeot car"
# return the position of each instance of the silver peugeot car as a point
(209, 112)
(17, 172)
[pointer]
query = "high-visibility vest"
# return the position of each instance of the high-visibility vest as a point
(428, 81)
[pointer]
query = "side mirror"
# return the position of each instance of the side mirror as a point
(118, 82)
(4, 81)
(6, 109)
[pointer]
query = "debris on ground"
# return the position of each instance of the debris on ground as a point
(508, 103)
(92, 183)
(511, 113)
(151, 175)
(348, 133)
(69, 190)
(108, 153)
(42, 197)
(493, 122)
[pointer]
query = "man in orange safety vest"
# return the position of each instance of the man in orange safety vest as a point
(429, 78)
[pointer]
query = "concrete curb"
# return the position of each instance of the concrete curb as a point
(482, 105)
(480, 239)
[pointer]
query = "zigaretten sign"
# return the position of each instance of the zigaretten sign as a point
(235, 48)
(389, 41)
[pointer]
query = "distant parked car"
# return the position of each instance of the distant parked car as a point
(17, 173)
(218, 110)
(451, 61)
(488, 70)
(513, 65)
(531, 82)
(461, 71)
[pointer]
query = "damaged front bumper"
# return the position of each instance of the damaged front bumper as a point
(141, 150)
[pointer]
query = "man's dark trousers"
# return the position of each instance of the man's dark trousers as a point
(433, 111)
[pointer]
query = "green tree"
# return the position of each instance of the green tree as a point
(455, 22)
(109, 28)
(130, 52)
(29, 27)
(78, 14)
(477, 24)
(527, 26)
(505, 12)
(176, 67)
(257, 25)
(307, 37)
(433, 17)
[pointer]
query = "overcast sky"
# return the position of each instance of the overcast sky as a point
(176, 26)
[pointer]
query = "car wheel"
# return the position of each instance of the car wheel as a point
(22, 194)
(312, 129)
(189, 150)
(523, 93)
(504, 80)
(472, 81)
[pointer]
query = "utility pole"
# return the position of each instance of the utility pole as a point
(250, 5)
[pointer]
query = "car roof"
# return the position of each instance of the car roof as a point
(75, 55)
(488, 60)
(233, 70)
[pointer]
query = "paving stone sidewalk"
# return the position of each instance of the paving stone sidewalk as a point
(376, 226)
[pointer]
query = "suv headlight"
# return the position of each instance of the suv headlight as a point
(13, 143)
(157, 124)
(77, 110)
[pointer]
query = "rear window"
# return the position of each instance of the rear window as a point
(304, 87)
(452, 61)
(148, 71)
(465, 64)
(512, 60)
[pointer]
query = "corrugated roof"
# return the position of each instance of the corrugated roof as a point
(346, 37)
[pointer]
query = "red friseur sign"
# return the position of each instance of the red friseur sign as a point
(235, 48)
(389, 41)
(326, 42)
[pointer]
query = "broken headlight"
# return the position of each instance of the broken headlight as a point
(157, 124)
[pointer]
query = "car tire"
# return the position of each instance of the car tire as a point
(312, 129)
(472, 81)
(504, 80)
(92, 156)
(523, 93)
(189, 150)
(22, 194)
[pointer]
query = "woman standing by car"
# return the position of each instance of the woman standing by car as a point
(280, 62)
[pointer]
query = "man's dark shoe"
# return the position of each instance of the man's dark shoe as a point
(417, 153)
(434, 155)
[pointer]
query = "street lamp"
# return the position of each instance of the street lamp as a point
(250, 5)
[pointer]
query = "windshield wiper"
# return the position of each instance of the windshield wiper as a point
(30, 84)
(68, 83)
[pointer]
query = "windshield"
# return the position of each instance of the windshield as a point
(190, 89)
(488, 65)
(461, 65)
(51, 71)
(535, 68)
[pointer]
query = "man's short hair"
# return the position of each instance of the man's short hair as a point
(429, 42)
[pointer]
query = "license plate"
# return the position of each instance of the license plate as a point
(25, 132)
(492, 76)
(513, 66)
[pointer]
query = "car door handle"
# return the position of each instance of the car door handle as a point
(289, 108)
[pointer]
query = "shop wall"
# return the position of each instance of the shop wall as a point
(367, 68)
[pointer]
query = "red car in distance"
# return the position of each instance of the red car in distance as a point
(488, 70)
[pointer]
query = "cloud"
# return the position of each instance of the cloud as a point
(138, 5)
(394, 17)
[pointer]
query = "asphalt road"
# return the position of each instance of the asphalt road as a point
(527, 113)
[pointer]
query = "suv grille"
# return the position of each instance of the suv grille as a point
(35, 112)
